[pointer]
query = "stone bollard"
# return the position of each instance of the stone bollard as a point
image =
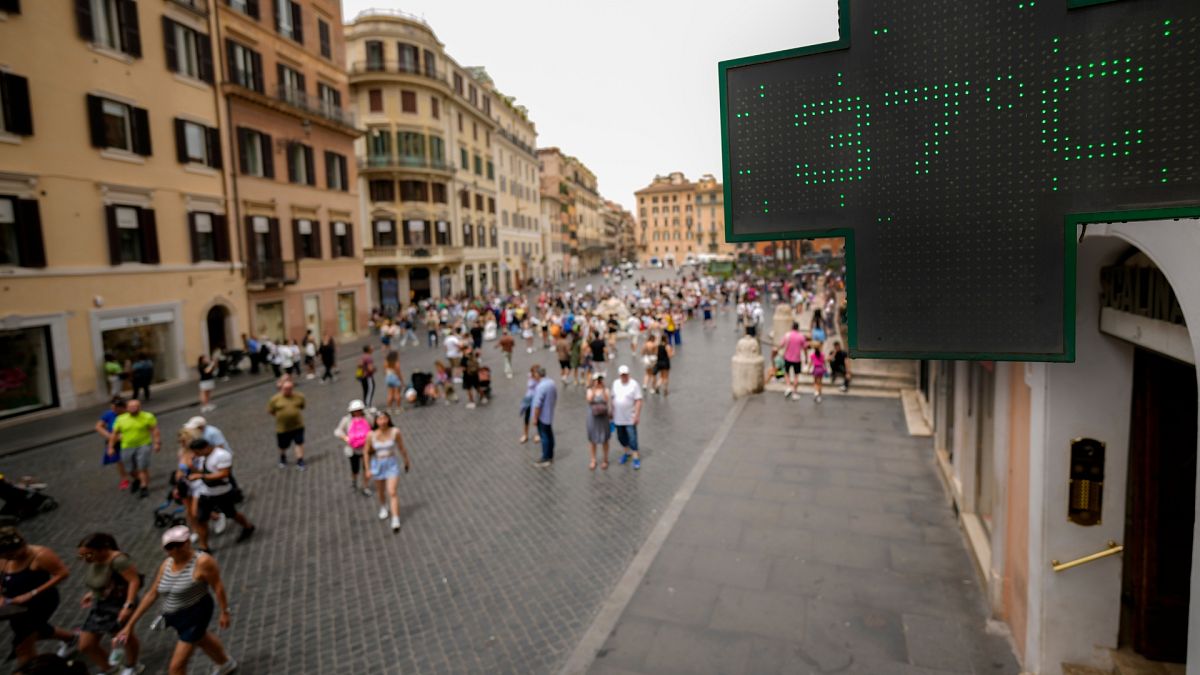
(747, 368)
(781, 323)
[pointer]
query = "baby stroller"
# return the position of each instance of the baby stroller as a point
(485, 384)
(172, 511)
(422, 384)
(25, 499)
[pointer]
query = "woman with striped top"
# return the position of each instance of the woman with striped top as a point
(183, 581)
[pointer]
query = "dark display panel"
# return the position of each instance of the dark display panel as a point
(950, 141)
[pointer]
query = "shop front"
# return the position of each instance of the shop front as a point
(134, 335)
(27, 378)
(269, 320)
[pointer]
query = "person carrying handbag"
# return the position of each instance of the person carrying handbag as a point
(599, 429)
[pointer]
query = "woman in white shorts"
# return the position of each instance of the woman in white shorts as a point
(208, 381)
(382, 452)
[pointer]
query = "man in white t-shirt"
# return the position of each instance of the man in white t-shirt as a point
(213, 466)
(627, 411)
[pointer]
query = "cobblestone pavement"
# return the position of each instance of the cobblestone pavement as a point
(817, 541)
(499, 568)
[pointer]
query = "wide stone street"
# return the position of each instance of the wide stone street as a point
(500, 567)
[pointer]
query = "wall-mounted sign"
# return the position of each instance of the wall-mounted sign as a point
(957, 146)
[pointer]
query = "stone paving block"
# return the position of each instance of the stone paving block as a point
(945, 561)
(770, 614)
(692, 651)
(805, 656)
(740, 569)
(864, 631)
(886, 525)
(628, 644)
(788, 493)
(935, 643)
(675, 599)
(710, 531)
(816, 580)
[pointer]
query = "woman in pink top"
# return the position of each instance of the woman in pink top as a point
(818, 371)
(793, 359)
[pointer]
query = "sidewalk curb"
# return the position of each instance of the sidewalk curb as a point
(584, 655)
(222, 392)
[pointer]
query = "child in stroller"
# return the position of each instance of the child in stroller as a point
(24, 499)
(422, 384)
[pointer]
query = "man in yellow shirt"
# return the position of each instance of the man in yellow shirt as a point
(137, 432)
(287, 408)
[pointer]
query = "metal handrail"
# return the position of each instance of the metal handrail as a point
(1113, 549)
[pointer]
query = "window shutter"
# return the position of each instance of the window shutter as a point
(316, 238)
(149, 228)
(193, 236)
(31, 247)
(252, 8)
(114, 238)
(268, 156)
(205, 55)
(131, 38)
(275, 13)
(213, 137)
(348, 249)
(231, 61)
(181, 152)
(310, 167)
(18, 117)
(334, 251)
(330, 169)
(276, 252)
(291, 163)
(251, 248)
(141, 131)
(301, 84)
(95, 106)
(297, 23)
(257, 75)
(221, 238)
(10, 6)
(323, 30)
(280, 77)
(168, 27)
(242, 137)
(83, 19)
(297, 249)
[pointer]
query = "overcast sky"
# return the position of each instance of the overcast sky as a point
(627, 86)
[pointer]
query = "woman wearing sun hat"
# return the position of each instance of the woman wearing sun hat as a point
(183, 580)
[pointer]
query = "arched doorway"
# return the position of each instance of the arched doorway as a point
(418, 283)
(217, 323)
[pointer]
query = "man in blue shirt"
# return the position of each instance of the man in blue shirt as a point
(104, 428)
(545, 397)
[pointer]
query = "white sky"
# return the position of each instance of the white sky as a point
(627, 86)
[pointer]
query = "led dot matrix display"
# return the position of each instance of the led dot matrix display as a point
(949, 141)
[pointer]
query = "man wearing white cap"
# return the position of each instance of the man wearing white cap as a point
(627, 411)
(353, 430)
(216, 439)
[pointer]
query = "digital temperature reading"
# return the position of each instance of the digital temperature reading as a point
(956, 144)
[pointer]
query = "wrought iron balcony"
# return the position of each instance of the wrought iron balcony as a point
(314, 105)
(396, 68)
(402, 162)
(272, 272)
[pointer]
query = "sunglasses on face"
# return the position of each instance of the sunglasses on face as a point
(173, 545)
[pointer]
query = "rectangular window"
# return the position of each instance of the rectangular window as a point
(491, 170)
(336, 176)
(474, 131)
(439, 193)
(434, 106)
(132, 235)
(385, 232)
(375, 100)
(247, 7)
(340, 243)
(21, 242)
(16, 115)
(112, 24)
(478, 165)
(382, 190)
(430, 63)
(414, 191)
(119, 126)
(256, 153)
(478, 202)
(379, 147)
(375, 58)
(300, 164)
(460, 123)
(408, 101)
(492, 205)
(408, 57)
(458, 85)
(306, 234)
(472, 94)
(505, 248)
(331, 100)
(204, 241)
(245, 66)
(464, 199)
(442, 233)
(288, 20)
(437, 152)
(411, 146)
(326, 42)
(416, 233)
(487, 105)
(291, 85)
(188, 52)
(504, 184)
(465, 159)
(196, 143)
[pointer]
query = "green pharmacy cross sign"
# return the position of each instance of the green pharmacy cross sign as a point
(958, 145)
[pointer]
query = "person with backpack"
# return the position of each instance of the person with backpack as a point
(113, 583)
(353, 430)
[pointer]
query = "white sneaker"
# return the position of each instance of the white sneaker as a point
(225, 668)
(219, 526)
(395, 524)
(470, 406)
(133, 670)
(383, 513)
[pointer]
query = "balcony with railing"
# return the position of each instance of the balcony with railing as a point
(401, 162)
(421, 254)
(272, 272)
(314, 105)
(386, 67)
(512, 138)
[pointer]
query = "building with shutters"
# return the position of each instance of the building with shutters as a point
(427, 163)
(569, 182)
(292, 180)
(114, 232)
(521, 223)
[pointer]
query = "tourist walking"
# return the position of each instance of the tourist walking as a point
(328, 354)
(287, 407)
(113, 372)
(384, 449)
(818, 369)
(840, 366)
(598, 346)
(142, 374)
(393, 379)
(794, 346)
(353, 430)
(213, 467)
(527, 403)
(208, 380)
(662, 367)
(104, 427)
(135, 432)
(183, 581)
(649, 359)
(626, 413)
(471, 377)
(366, 375)
(600, 409)
(506, 344)
(29, 577)
(545, 398)
(113, 583)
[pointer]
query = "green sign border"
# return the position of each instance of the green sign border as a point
(1070, 228)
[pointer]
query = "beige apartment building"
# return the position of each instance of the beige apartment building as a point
(619, 234)
(427, 163)
(554, 234)
(114, 232)
(580, 201)
(521, 222)
(679, 219)
(293, 181)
